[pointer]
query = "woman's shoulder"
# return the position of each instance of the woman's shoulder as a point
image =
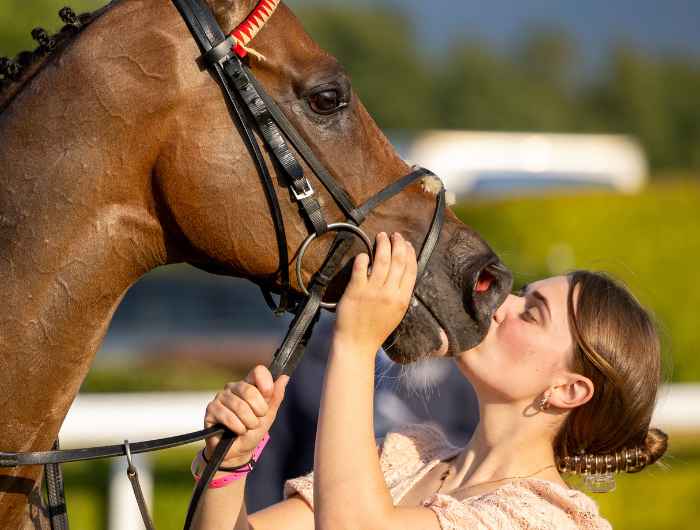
(408, 452)
(403, 454)
(525, 503)
(419, 442)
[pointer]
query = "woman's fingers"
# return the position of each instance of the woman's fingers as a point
(278, 394)
(241, 409)
(249, 394)
(399, 259)
(408, 279)
(217, 412)
(261, 378)
(382, 261)
(359, 271)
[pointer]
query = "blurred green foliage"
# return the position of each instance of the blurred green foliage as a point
(649, 240)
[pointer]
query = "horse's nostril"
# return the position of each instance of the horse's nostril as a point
(484, 281)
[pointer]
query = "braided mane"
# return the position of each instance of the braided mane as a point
(16, 73)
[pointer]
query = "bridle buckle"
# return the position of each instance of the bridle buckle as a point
(220, 53)
(307, 190)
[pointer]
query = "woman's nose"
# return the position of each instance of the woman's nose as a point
(502, 311)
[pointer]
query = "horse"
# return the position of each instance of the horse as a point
(118, 156)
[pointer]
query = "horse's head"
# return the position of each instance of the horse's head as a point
(216, 206)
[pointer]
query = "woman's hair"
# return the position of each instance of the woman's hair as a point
(616, 345)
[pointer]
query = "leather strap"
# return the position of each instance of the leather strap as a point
(133, 476)
(55, 495)
(106, 451)
(290, 352)
(391, 190)
(140, 500)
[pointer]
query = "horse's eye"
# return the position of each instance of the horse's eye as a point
(326, 102)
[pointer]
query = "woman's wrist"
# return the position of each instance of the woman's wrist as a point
(352, 346)
(230, 462)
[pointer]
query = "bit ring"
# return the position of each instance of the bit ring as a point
(333, 227)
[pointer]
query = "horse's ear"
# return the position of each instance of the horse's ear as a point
(230, 13)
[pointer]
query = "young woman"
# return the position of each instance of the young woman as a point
(566, 380)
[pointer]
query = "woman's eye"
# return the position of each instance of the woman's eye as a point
(326, 102)
(529, 315)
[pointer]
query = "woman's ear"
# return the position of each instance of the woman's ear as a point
(571, 391)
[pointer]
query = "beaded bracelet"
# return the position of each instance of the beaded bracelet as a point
(236, 472)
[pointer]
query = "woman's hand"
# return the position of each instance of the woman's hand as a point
(248, 408)
(373, 305)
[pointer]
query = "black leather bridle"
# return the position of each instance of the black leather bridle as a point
(252, 109)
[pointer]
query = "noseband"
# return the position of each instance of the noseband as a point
(253, 109)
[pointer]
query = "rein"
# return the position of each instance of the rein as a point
(252, 109)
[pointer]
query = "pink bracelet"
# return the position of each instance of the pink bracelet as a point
(232, 477)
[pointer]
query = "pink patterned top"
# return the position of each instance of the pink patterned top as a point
(409, 453)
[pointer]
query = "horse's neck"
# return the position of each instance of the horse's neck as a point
(77, 227)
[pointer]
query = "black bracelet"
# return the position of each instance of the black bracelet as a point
(250, 463)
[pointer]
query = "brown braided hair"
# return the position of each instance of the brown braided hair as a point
(616, 345)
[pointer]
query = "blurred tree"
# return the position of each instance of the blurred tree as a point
(681, 80)
(630, 99)
(549, 55)
(654, 99)
(380, 51)
(479, 89)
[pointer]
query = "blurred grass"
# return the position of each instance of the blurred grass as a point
(656, 498)
(649, 240)
(162, 376)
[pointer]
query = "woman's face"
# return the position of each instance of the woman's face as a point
(527, 346)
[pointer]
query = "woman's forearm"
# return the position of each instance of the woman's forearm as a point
(349, 488)
(223, 508)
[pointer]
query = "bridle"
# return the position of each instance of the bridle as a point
(253, 109)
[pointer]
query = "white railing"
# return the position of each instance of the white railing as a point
(104, 419)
